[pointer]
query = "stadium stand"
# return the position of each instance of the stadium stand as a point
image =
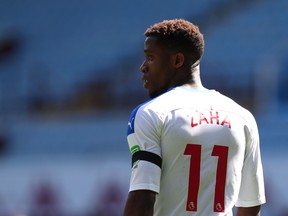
(59, 62)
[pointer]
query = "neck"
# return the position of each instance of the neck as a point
(195, 80)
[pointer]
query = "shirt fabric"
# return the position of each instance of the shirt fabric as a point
(210, 153)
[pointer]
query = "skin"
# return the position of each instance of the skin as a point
(163, 69)
(140, 203)
(249, 211)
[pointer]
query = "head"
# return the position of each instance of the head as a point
(172, 49)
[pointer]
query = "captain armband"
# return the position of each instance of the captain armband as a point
(147, 156)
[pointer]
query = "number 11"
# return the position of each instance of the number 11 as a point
(194, 176)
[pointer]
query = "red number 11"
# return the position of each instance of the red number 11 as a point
(194, 176)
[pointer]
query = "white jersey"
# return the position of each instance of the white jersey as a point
(199, 150)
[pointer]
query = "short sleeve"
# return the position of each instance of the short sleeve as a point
(143, 134)
(252, 192)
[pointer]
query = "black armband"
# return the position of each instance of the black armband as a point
(147, 156)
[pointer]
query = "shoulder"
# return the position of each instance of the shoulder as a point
(235, 108)
(151, 112)
(156, 104)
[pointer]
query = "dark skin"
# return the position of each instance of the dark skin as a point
(140, 203)
(249, 211)
(162, 69)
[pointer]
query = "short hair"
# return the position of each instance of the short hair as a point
(179, 35)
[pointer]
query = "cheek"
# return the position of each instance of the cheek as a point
(161, 75)
(160, 81)
(165, 75)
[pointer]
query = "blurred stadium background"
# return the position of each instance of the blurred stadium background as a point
(69, 77)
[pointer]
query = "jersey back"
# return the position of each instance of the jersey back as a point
(209, 147)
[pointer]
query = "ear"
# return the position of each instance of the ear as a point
(178, 60)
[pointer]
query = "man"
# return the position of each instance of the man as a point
(194, 151)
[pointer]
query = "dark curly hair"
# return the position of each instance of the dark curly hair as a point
(179, 35)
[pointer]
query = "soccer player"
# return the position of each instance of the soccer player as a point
(194, 150)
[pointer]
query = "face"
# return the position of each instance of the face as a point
(157, 68)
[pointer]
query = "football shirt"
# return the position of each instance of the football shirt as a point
(198, 150)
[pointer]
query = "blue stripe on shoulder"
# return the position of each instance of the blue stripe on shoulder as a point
(130, 128)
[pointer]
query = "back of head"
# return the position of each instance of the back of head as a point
(179, 35)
